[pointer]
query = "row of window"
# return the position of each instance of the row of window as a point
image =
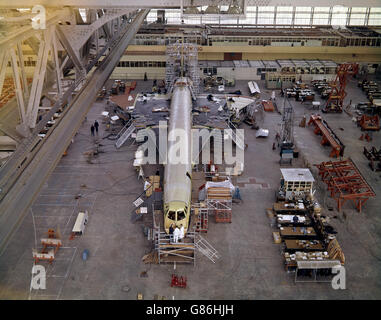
(262, 70)
(141, 64)
(283, 15)
(213, 70)
(269, 41)
(264, 41)
(325, 42)
(28, 63)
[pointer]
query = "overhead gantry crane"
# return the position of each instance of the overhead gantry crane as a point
(24, 174)
(336, 98)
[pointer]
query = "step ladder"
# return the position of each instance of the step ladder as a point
(206, 248)
(236, 136)
(124, 134)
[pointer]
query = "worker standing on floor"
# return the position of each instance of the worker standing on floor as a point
(96, 125)
(92, 129)
(237, 194)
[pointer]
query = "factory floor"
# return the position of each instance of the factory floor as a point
(250, 267)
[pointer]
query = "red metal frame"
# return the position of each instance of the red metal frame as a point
(328, 138)
(345, 182)
(369, 122)
(336, 98)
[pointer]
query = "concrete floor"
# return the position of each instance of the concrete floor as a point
(250, 267)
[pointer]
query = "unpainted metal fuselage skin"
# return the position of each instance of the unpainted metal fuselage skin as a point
(177, 185)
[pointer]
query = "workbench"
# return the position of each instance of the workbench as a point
(291, 232)
(282, 207)
(293, 245)
(287, 219)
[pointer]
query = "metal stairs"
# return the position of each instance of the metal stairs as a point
(124, 134)
(236, 136)
(206, 248)
(201, 213)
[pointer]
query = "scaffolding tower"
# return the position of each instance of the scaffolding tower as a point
(287, 122)
(170, 252)
(166, 250)
(219, 202)
(182, 60)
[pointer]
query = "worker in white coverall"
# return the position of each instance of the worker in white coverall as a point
(176, 235)
(147, 184)
(182, 233)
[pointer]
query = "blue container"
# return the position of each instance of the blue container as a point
(85, 254)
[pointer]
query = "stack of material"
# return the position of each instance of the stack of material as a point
(219, 193)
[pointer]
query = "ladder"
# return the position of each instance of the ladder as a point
(193, 94)
(202, 218)
(206, 248)
(170, 86)
(236, 136)
(124, 134)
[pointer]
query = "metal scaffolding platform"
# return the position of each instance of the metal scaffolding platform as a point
(219, 202)
(182, 60)
(201, 213)
(171, 252)
(165, 250)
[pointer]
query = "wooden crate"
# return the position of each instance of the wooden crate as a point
(219, 193)
(223, 216)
